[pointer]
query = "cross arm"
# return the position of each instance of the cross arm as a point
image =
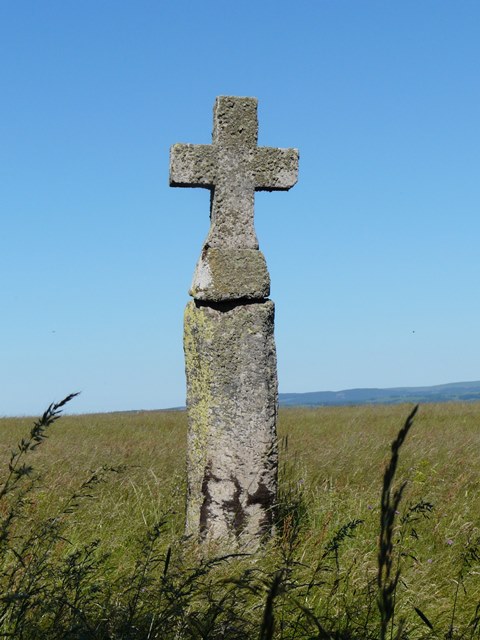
(275, 169)
(192, 165)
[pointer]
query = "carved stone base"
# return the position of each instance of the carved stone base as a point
(232, 406)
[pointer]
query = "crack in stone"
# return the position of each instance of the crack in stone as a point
(229, 305)
(207, 499)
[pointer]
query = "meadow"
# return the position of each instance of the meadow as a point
(91, 533)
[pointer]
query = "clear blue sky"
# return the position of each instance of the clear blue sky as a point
(374, 254)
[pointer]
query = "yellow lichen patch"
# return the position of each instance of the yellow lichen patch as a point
(199, 399)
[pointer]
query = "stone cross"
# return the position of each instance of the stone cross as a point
(230, 358)
(233, 168)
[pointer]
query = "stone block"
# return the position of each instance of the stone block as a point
(230, 274)
(232, 406)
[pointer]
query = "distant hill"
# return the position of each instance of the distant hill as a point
(455, 391)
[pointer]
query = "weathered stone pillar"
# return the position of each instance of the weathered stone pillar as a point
(229, 345)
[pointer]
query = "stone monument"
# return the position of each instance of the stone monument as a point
(230, 357)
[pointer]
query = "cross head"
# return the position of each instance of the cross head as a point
(233, 167)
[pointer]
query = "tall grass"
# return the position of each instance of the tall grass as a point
(103, 556)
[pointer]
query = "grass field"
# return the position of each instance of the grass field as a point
(319, 575)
